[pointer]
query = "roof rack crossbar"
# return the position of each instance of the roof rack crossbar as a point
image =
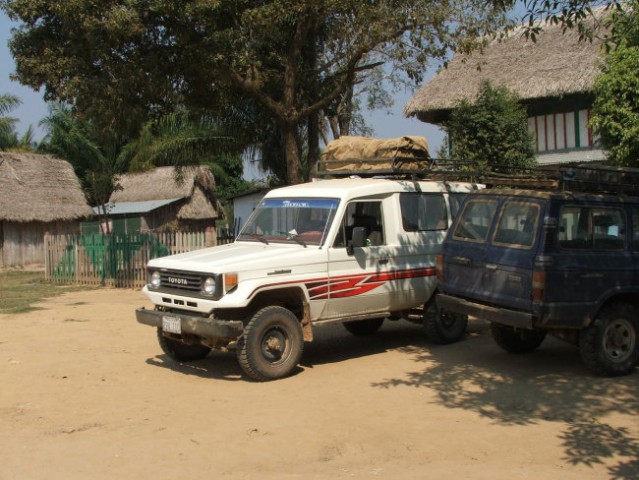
(583, 178)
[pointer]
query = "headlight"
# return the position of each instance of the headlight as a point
(208, 288)
(154, 280)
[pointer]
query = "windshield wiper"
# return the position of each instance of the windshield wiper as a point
(293, 235)
(259, 236)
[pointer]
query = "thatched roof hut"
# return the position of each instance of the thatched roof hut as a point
(39, 195)
(39, 188)
(556, 65)
(164, 195)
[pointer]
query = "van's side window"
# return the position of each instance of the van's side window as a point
(476, 217)
(362, 214)
(592, 228)
(423, 211)
(517, 225)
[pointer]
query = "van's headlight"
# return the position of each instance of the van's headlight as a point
(208, 287)
(155, 279)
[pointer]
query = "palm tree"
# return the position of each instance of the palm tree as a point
(95, 165)
(181, 139)
(8, 136)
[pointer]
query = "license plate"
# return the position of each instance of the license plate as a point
(171, 324)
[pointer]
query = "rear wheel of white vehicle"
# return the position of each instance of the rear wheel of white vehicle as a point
(443, 327)
(363, 328)
(271, 345)
(516, 340)
(181, 352)
(609, 345)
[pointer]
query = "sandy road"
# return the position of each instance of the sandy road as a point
(86, 393)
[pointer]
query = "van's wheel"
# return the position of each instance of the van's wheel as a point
(271, 345)
(609, 345)
(364, 327)
(181, 352)
(516, 340)
(443, 327)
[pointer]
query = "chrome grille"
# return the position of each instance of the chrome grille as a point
(187, 281)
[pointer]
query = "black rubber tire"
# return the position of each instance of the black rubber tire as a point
(608, 346)
(443, 327)
(181, 352)
(271, 345)
(363, 328)
(516, 340)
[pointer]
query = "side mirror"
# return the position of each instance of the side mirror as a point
(358, 239)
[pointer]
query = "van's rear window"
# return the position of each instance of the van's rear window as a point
(517, 225)
(475, 220)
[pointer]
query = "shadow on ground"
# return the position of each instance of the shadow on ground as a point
(550, 384)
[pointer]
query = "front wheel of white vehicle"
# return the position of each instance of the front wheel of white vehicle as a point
(271, 345)
(181, 352)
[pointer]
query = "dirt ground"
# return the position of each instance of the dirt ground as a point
(86, 393)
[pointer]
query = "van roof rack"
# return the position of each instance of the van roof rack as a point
(594, 178)
(411, 168)
(600, 179)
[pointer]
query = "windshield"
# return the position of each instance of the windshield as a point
(301, 220)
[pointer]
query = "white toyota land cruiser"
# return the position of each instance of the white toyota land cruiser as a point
(349, 250)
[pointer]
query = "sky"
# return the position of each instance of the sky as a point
(33, 108)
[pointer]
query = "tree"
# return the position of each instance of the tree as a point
(182, 139)
(491, 132)
(121, 63)
(567, 13)
(95, 165)
(8, 135)
(125, 62)
(615, 113)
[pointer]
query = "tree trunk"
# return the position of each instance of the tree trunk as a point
(313, 144)
(291, 150)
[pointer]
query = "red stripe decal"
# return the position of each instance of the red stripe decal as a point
(352, 285)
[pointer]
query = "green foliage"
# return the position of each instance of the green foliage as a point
(95, 165)
(491, 132)
(124, 62)
(570, 14)
(615, 113)
(8, 136)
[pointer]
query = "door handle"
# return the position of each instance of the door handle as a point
(383, 260)
(491, 266)
(592, 275)
(461, 260)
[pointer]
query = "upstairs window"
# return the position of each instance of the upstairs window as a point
(562, 131)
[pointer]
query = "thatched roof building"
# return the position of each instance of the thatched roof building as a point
(555, 66)
(39, 194)
(167, 199)
(39, 188)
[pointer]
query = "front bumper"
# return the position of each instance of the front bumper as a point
(192, 324)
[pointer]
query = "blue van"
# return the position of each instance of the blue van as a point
(534, 263)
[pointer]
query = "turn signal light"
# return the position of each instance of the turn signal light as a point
(538, 286)
(439, 267)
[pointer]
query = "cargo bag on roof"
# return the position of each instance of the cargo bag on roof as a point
(349, 153)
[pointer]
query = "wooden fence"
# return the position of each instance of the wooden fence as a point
(114, 260)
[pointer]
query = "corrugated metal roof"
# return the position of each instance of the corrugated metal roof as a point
(124, 208)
